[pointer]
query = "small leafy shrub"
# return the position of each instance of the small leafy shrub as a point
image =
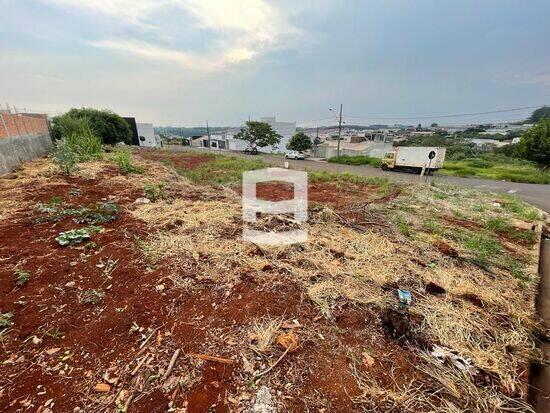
(125, 162)
(85, 144)
(99, 214)
(73, 237)
(6, 320)
(58, 213)
(50, 206)
(155, 191)
(67, 125)
(77, 143)
(95, 214)
(65, 157)
(93, 297)
(22, 277)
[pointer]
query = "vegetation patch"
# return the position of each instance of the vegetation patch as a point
(155, 191)
(100, 213)
(76, 236)
(22, 277)
(76, 143)
(356, 160)
(497, 167)
(125, 162)
(93, 297)
(178, 271)
(6, 320)
(222, 170)
(56, 210)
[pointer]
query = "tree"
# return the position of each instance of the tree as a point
(540, 113)
(258, 135)
(299, 142)
(535, 143)
(434, 125)
(109, 126)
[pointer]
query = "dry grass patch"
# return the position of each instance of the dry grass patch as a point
(263, 333)
(487, 316)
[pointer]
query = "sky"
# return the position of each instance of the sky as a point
(183, 62)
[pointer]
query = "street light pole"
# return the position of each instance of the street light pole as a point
(208, 132)
(339, 130)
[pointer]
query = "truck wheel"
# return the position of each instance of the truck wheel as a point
(384, 167)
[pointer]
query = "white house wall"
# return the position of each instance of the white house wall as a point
(146, 134)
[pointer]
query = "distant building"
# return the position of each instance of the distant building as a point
(329, 149)
(143, 134)
(214, 141)
(226, 139)
(286, 129)
(146, 135)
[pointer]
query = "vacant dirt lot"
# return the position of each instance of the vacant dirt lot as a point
(162, 306)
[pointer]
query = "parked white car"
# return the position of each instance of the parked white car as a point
(295, 155)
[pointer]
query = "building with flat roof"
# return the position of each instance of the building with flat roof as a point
(286, 129)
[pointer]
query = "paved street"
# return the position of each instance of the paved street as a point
(538, 195)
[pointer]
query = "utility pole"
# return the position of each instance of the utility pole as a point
(339, 130)
(208, 132)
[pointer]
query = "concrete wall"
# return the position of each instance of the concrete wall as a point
(15, 150)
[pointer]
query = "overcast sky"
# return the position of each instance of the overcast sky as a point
(181, 62)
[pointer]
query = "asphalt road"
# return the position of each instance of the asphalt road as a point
(535, 194)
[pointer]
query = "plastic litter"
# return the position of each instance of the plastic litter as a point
(446, 355)
(404, 297)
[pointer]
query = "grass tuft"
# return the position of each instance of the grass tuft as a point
(356, 160)
(222, 170)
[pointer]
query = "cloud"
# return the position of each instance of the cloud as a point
(538, 78)
(135, 12)
(235, 30)
(187, 60)
(542, 78)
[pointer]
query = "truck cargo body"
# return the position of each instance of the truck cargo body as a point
(414, 158)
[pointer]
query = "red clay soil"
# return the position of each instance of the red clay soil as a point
(459, 222)
(93, 339)
(445, 248)
(320, 192)
(179, 160)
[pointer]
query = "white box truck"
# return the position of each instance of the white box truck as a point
(414, 158)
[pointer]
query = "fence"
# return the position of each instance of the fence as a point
(22, 124)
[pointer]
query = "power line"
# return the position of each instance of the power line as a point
(386, 117)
